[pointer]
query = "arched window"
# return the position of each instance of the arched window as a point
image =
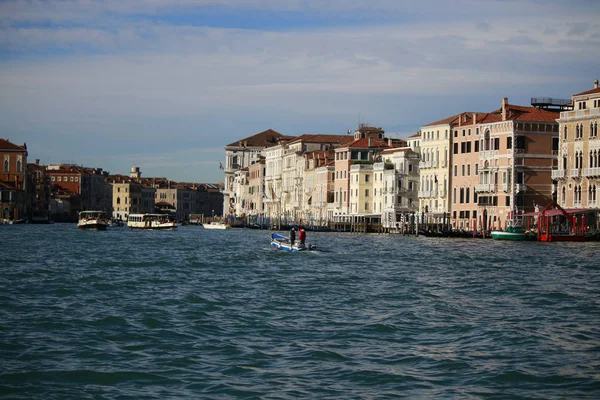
(18, 165)
(5, 165)
(563, 195)
(118, 200)
(565, 133)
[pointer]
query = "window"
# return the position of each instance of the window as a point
(468, 169)
(509, 142)
(367, 177)
(462, 195)
(366, 192)
(454, 197)
(455, 148)
(463, 170)
(456, 170)
(6, 164)
(59, 178)
(476, 146)
(19, 165)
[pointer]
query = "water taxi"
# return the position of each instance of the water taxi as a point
(92, 220)
(151, 221)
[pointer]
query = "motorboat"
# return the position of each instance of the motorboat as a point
(93, 220)
(216, 225)
(283, 243)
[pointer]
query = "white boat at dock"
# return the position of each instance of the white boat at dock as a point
(216, 225)
(92, 220)
(151, 221)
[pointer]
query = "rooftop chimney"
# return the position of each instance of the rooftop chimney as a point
(474, 118)
(596, 84)
(504, 108)
(370, 142)
(390, 142)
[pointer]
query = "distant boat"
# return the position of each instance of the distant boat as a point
(216, 225)
(93, 220)
(151, 221)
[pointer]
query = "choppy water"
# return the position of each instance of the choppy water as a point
(193, 313)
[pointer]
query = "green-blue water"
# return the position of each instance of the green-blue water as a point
(193, 313)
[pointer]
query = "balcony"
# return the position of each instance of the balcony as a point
(591, 172)
(558, 174)
(505, 187)
(485, 187)
(425, 193)
(425, 164)
(575, 173)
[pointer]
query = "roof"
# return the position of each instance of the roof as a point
(263, 139)
(523, 113)
(363, 143)
(416, 135)
(397, 150)
(6, 145)
(592, 91)
(323, 138)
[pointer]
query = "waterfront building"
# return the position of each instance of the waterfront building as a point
(317, 183)
(367, 142)
(255, 207)
(242, 154)
(13, 189)
(578, 170)
(85, 185)
(414, 142)
(397, 184)
(434, 147)
(463, 169)
(323, 197)
(296, 191)
(517, 148)
(241, 192)
(39, 183)
(130, 197)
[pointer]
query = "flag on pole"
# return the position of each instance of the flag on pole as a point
(435, 178)
(272, 193)
(221, 166)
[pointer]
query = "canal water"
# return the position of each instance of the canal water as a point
(194, 313)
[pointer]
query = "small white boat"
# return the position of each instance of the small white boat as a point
(151, 221)
(283, 243)
(92, 220)
(216, 225)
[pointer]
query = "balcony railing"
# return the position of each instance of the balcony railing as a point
(575, 172)
(425, 193)
(505, 187)
(558, 173)
(591, 172)
(485, 187)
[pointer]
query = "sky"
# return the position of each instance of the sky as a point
(165, 85)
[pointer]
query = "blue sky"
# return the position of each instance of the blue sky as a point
(166, 84)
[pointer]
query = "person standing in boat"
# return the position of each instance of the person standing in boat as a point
(302, 235)
(292, 236)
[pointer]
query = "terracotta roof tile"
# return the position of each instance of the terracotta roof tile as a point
(592, 91)
(263, 139)
(363, 143)
(323, 138)
(6, 145)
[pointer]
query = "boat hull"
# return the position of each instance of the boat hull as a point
(282, 243)
(93, 227)
(502, 235)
